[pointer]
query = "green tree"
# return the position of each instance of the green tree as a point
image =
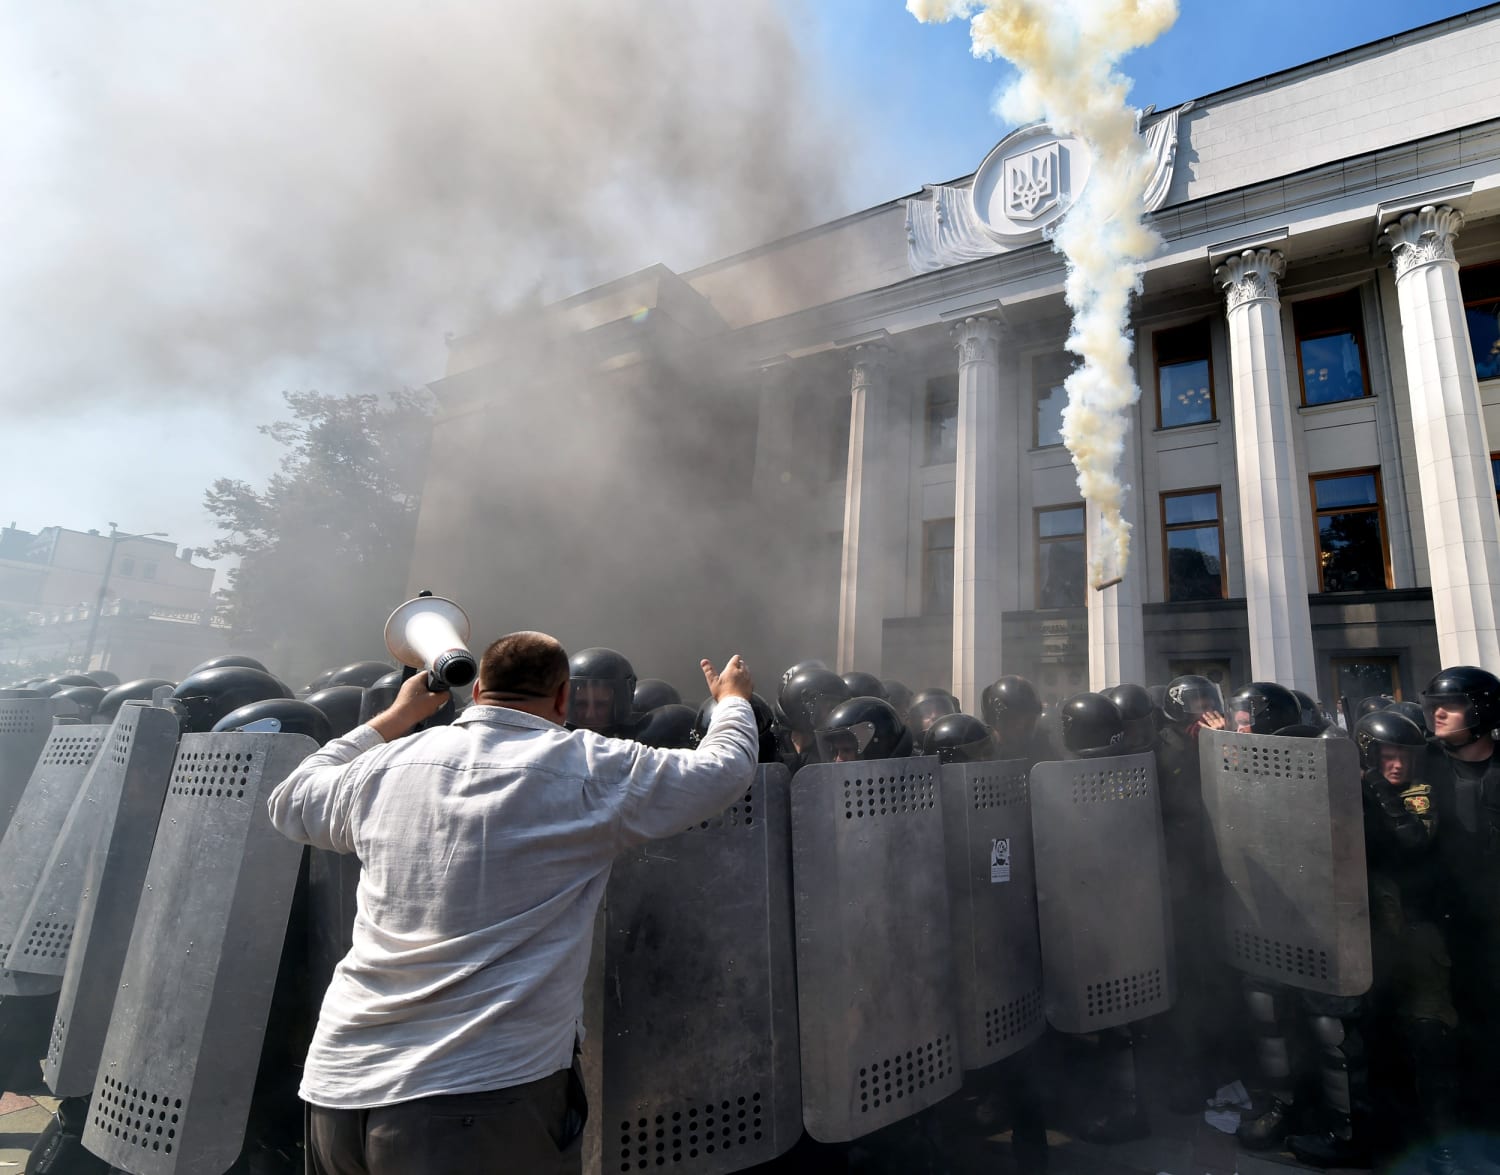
(324, 548)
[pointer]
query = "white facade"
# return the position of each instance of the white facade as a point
(1311, 403)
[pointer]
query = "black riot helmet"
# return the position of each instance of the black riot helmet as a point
(380, 696)
(140, 690)
(865, 685)
(85, 697)
(793, 670)
(1138, 714)
(862, 730)
(1010, 697)
(960, 738)
(1385, 728)
(898, 694)
(1412, 710)
(228, 661)
(652, 693)
(1312, 709)
(927, 706)
(1270, 707)
(105, 677)
(201, 699)
(1371, 704)
(291, 716)
(1092, 726)
(360, 673)
(1189, 697)
(768, 750)
(321, 681)
(669, 727)
(601, 693)
(340, 705)
(1473, 693)
(62, 681)
(809, 697)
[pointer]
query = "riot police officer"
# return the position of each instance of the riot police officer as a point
(807, 697)
(863, 730)
(601, 693)
(1012, 707)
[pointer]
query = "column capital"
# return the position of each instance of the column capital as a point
(977, 340)
(1252, 276)
(1423, 237)
(868, 361)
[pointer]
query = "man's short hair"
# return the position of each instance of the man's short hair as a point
(523, 665)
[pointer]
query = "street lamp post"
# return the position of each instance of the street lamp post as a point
(115, 539)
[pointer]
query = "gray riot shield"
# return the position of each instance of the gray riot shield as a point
(54, 785)
(140, 742)
(332, 886)
(699, 1034)
(1102, 896)
(875, 983)
(992, 907)
(1288, 826)
(124, 793)
(24, 726)
(184, 1041)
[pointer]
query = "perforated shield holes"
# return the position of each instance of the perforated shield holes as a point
(25, 725)
(892, 1079)
(212, 775)
(23, 716)
(1288, 829)
(871, 888)
(992, 909)
(138, 1117)
(698, 1031)
(691, 1135)
(47, 940)
(1102, 892)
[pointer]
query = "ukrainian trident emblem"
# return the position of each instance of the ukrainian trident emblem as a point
(1032, 186)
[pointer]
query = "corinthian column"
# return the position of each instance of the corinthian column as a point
(867, 556)
(984, 510)
(1270, 502)
(1453, 450)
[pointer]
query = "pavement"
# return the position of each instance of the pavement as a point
(23, 1117)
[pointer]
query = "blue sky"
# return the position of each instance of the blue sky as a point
(917, 108)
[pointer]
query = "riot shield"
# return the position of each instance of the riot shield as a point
(137, 742)
(1288, 825)
(877, 1023)
(180, 1057)
(54, 785)
(24, 726)
(125, 793)
(1102, 896)
(332, 885)
(699, 1034)
(992, 907)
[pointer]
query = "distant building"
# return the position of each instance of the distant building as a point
(1310, 462)
(158, 617)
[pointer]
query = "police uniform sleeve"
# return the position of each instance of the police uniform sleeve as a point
(665, 791)
(312, 805)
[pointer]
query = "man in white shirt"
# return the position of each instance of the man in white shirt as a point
(446, 1038)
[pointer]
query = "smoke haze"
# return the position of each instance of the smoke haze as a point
(1067, 52)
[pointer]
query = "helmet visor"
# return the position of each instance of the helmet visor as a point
(591, 703)
(845, 744)
(1448, 714)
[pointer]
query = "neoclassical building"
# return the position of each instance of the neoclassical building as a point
(1312, 484)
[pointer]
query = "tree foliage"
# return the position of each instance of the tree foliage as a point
(324, 548)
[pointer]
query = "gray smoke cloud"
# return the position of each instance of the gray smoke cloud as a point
(225, 200)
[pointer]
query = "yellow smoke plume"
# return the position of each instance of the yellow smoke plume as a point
(1067, 52)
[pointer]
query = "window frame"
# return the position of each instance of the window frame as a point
(1038, 540)
(1495, 456)
(1468, 303)
(1378, 507)
(927, 402)
(1041, 381)
(927, 549)
(1359, 342)
(1366, 659)
(1208, 356)
(1167, 529)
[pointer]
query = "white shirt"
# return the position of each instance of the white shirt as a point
(485, 847)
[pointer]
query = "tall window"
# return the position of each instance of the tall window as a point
(1495, 475)
(941, 446)
(1060, 560)
(1331, 348)
(1481, 288)
(1047, 375)
(1184, 376)
(1358, 678)
(127, 566)
(937, 567)
(1351, 532)
(838, 438)
(1194, 541)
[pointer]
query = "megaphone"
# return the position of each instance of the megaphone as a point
(431, 633)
